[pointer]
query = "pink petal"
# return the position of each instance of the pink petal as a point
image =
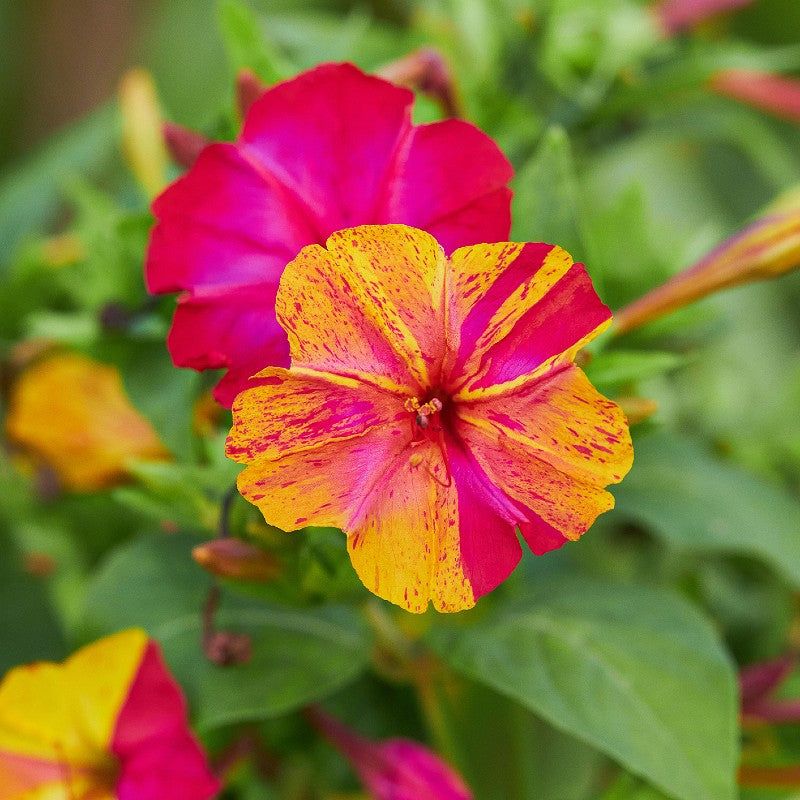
(158, 754)
(330, 148)
(330, 135)
(394, 769)
(227, 222)
(228, 327)
(466, 200)
(487, 522)
(524, 321)
(413, 772)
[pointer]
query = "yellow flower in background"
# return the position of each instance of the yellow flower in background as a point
(73, 414)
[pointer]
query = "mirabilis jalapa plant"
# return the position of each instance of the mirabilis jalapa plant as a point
(433, 405)
(414, 379)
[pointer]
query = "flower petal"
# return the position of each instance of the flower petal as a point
(370, 304)
(330, 135)
(520, 308)
(159, 755)
(65, 713)
(466, 200)
(562, 420)
(301, 488)
(288, 413)
(228, 327)
(546, 460)
(73, 413)
(227, 222)
(406, 548)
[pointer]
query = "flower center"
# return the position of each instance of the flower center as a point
(423, 411)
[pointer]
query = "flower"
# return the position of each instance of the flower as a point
(775, 94)
(326, 150)
(107, 724)
(395, 769)
(73, 413)
(432, 406)
(767, 248)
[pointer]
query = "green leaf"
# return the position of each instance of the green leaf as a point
(699, 503)
(299, 655)
(29, 629)
(31, 194)
(246, 44)
(619, 367)
(635, 672)
(547, 206)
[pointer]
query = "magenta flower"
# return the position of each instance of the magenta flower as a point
(329, 149)
(107, 724)
(394, 769)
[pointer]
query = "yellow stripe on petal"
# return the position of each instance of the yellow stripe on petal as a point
(66, 713)
(326, 486)
(406, 550)
(492, 263)
(398, 275)
(562, 420)
(320, 306)
(305, 410)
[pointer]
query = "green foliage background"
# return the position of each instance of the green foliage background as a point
(603, 671)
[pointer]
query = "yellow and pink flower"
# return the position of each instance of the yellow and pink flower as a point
(432, 407)
(108, 724)
(327, 150)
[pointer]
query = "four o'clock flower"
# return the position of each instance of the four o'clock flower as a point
(394, 769)
(107, 724)
(329, 149)
(432, 407)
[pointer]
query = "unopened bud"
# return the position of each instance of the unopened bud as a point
(142, 140)
(774, 94)
(767, 248)
(675, 16)
(249, 87)
(230, 557)
(426, 71)
(184, 144)
(637, 409)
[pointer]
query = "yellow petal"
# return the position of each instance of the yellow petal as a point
(73, 413)
(65, 713)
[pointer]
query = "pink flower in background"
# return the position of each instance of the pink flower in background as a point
(432, 407)
(107, 724)
(327, 150)
(394, 769)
